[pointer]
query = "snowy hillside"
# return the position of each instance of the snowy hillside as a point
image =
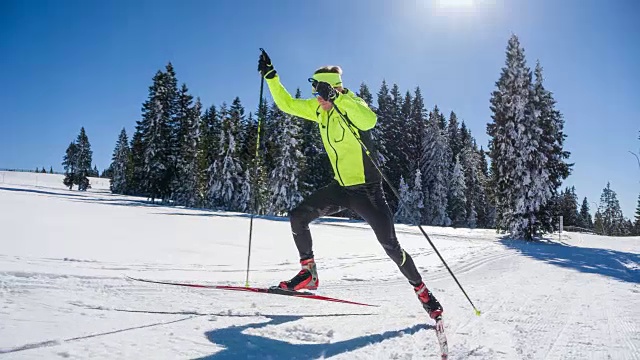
(64, 254)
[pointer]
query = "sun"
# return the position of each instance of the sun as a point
(455, 3)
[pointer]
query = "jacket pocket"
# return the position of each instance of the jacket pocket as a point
(339, 135)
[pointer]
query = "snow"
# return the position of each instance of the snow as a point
(64, 254)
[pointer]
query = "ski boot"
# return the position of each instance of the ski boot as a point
(429, 302)
(306, 279)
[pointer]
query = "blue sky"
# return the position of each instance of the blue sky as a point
(66, 64)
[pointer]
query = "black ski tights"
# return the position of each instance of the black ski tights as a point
(368, 201)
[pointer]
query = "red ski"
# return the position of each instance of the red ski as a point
(271, 290)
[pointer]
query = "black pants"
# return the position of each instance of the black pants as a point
(366, 200)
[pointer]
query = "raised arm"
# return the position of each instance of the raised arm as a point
(304, 108)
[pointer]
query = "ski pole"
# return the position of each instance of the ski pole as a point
(255, 178)
(395, 192)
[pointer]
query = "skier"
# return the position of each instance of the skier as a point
(357, 184)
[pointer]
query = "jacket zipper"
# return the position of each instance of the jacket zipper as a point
(334, 149)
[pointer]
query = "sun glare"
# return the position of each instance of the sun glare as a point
(454, 3)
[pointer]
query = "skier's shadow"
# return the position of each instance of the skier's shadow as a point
(245, 346)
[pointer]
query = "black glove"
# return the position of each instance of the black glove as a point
(265, 67)
(326, 91)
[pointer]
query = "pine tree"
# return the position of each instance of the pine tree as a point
(121, 165)
(84, 157)
(520, 177)
(51, 170)
(177, 103)
(69, 163)
(215, 168)
(486, 210)
(453, 133)
(284, 180)
(598, 224)
(187, 173)
(585, 215)
(365, 94)
(245, 140)
(156, 131)
(475, 194)
(569, 207)
(436, 160)
(411, 200)
(259, 171)
(551, 142)
(407, 138)
(227, 183)
(208, 153)
(457, 203)
(136, 186)
(395, 136)
(612, 218)
(416, 127)
(381, 132)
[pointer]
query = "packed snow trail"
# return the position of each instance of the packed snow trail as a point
(63, 255)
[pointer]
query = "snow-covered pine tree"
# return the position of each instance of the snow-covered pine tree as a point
(486, 209)
(244, 135)
(520, 177)
(137, 163)
(442, 122)
(249, 136)
(69, 163)
(186, 189)
(208, 153)
(228, 166)
(598, 224)
(612, 218)
(551, 143)
(436, 168)
(260, 189)
(284, 180)
(416, 129)
(121, 165)
(177, 103)
(156, 138)
(476, 206)
(181, 124)
(394, 135)
(381, 131)
(453, 133)
(585, 215)
(407, 137)
(215, 168)
(569, 207)
(457, 203)
(411, 200)
(84, 158)
(366, 95)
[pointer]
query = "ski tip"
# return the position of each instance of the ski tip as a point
(477, 312)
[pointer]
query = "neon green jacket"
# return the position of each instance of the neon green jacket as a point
(351, 165)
